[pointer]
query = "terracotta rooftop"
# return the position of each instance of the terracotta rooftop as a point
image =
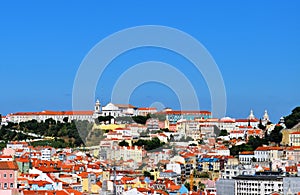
(8, 165)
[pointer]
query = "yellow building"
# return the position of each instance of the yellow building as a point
(286, 141)
(108, 126)
(88, 182)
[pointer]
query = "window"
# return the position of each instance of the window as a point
(11, 185)
(5, 185)
(10, 175)
(4, 175)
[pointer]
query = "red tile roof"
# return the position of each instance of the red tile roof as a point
(188, 112)
(8, 165)
(146, 109)
(247, 120)
(124, 105)
(48, 112)
(295, 133)
(44, 192)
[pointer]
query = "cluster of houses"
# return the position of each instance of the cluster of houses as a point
(193, 158)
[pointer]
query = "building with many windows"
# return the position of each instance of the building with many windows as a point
(257, 185)
(47, 114)
(294, 139)
(174, 116)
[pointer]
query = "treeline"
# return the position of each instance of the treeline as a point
(152, 144)
(293, 119)
(72, 132)
(7, 135)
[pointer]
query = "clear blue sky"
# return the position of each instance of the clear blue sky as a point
(256, 45)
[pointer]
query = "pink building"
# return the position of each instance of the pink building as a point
(8, 177)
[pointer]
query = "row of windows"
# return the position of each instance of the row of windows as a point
(5, 185)
(5, 175)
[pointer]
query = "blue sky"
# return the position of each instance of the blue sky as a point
(256, 45)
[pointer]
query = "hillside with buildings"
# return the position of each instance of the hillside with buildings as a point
(188, 152)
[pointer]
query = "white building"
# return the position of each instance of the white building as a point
(223, 151)
(110, 109)
(117, 110)
(174, 167)
(262, 154)
(246, 157)
(294, 139)
(46, 114)
(146, 111)
(249, 185)
(126, 153)
(227, 123)
(235, 170)
(46, 153)
(17, 145)
(235, 134)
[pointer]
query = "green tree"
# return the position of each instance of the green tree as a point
(187, 185)
(223, 132)
(66, 119)
(261, 126)
(149, 144)
(141, 119)
(160, 117)
(292, 119)
(275, 135)
(147, 174)
(123, 143)
(104, 119)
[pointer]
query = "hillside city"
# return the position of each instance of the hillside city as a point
(127, 150)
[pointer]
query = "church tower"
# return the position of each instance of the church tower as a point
(251, 116)
(97, 110)
(266, 117)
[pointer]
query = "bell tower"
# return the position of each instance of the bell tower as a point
(97, 109)
(251, 116)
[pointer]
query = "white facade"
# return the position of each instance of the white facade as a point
(55, 115)
(233, 171)
(250, 185)
(17, 145)
(223, 151)
(126, 153)
(294, 139)
(262, 154)
(146, 111)
(174, 167)
(117, 110)
(237, 134)
(246, 158)
(46, 153)
(227, 124)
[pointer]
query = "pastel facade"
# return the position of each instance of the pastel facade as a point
(8, 175)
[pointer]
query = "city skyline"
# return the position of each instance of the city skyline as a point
(254, 45)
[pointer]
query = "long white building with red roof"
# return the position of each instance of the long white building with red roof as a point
(55, 115)
(110, 109)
